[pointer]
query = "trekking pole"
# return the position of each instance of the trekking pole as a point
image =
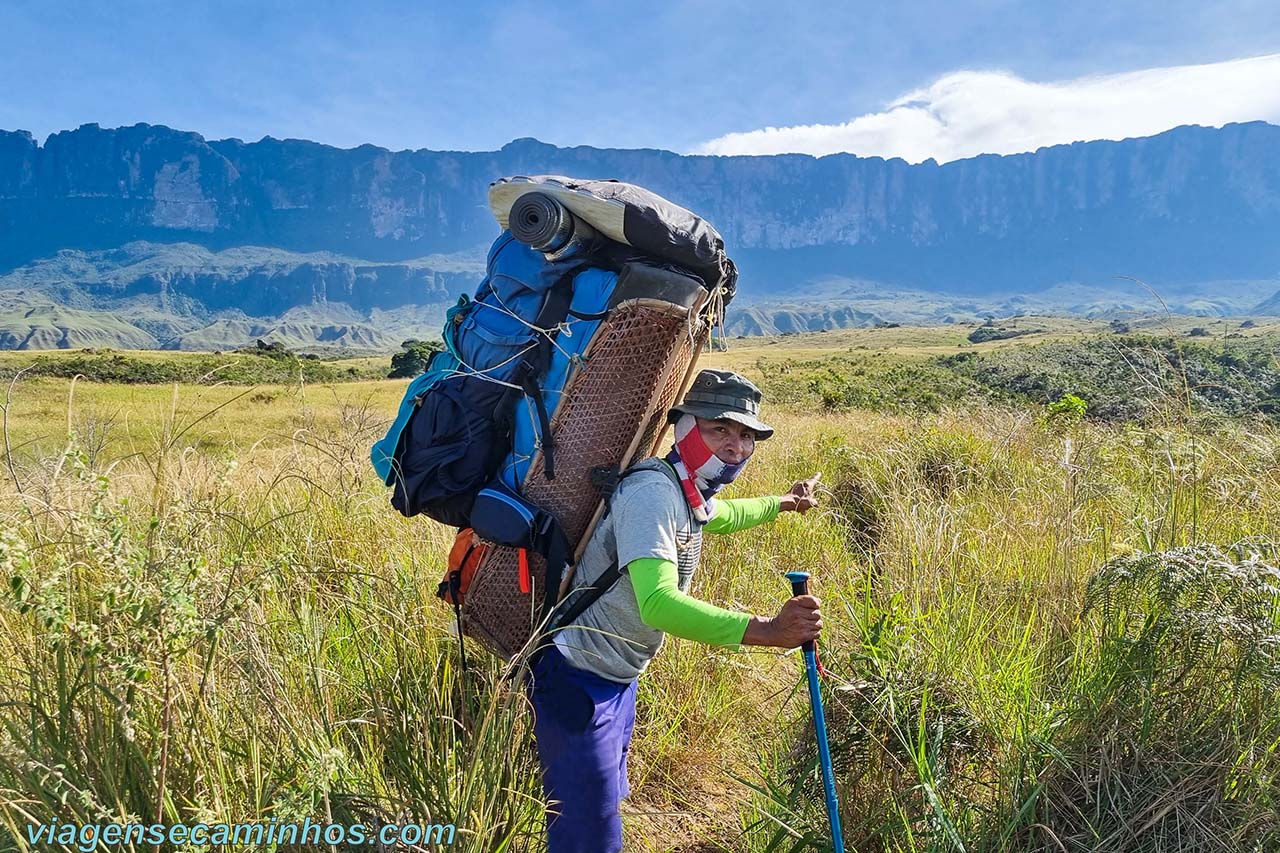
(800, 586)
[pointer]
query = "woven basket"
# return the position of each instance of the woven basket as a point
(613, 413)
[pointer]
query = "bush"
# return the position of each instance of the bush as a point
(841, 383)
(1067, 411)
(1173, 705)
(1123, 378)
(985, 333)
(273, 349)
(1133, 378)
(946, 460)
(413, 359)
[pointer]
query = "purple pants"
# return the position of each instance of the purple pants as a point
(583, 726)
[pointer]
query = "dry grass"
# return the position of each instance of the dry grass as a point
(214, 613)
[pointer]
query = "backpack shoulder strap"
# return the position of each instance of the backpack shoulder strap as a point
(578, 604)
(554, 309)
(608, 480)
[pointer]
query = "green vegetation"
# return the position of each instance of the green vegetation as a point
(1066, 412)
(870, 382)
(1046, 630)
(263, 364)
(983, 334)
(1132, 377)
(413, 358)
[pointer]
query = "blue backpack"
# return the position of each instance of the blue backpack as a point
(454, 425)
(593, 290)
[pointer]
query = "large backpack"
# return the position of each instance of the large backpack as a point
(474, 424)
(454, 424)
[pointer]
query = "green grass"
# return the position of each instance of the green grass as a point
(212, 613)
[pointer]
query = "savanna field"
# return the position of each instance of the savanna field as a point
(1047, 561)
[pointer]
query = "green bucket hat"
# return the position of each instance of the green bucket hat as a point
(717, 394)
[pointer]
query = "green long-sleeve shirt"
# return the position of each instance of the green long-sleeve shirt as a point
(664, 607)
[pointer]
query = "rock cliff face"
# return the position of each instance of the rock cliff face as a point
(1187, 205)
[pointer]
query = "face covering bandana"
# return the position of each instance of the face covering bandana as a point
(702, 473)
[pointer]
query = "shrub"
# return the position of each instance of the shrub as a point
(1133, 378)
(1067, 411)
(946, 461)
(842, 383)
(988, 332)
(272, 349)
(413, 358)
(1172, 719)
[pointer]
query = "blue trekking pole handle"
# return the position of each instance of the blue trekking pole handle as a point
(800, 586)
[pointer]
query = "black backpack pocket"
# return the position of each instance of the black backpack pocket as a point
(450, 448)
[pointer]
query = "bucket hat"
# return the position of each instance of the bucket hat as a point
(717, 394)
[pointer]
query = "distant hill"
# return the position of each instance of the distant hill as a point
(1269, 306)
(175, 233)
(838, 304)
(183, 296)
(29, 324)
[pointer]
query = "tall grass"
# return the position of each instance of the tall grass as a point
(204, 622)
(976, 679)
(197, 640)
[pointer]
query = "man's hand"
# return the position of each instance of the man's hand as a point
(797, 622)
(802, 497)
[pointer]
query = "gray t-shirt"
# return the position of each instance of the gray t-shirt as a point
(649, 518)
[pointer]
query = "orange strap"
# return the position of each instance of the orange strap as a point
(524, 571)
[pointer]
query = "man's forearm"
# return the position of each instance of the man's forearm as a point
(663, 606)
(734, 514)
(759, 632)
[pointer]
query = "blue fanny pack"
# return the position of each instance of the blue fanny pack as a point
(500, 515)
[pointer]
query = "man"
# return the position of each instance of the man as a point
(584, 685)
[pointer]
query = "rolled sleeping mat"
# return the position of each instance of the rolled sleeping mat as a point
(632, 216)
(544, 224)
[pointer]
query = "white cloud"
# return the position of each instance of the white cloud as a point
(966, 113)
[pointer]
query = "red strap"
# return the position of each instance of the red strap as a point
(524, 571)
(822, 671)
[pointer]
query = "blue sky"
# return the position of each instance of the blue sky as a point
(875, 78)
